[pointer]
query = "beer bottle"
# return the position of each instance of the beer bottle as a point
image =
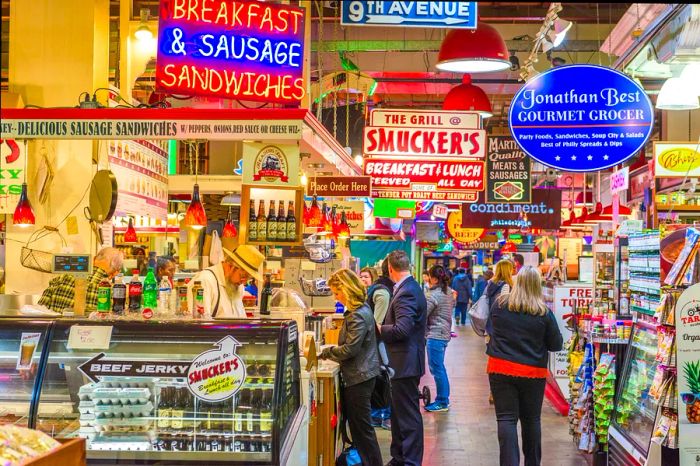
(252, 224)
(291, 223)
(261, 221)
(265, 295)
(281, 223)
(271, 223)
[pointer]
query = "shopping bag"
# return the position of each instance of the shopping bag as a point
(479, 314)
(381, 396)
(348, 457)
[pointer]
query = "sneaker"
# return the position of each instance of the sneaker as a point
(376, 422)
(436, 407)
(453, 334)
(386, 424)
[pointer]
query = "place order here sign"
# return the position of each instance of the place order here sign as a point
(425, 155)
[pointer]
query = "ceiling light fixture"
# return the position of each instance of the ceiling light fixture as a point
(480, 50)
(559, 30)
(468, 97)
(195, 217)
(691, 77)
(231, 198)
(359, 160)
(143, 32)
(130, 233)
(677, 94)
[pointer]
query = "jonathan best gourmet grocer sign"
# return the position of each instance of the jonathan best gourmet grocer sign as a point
(581, 118)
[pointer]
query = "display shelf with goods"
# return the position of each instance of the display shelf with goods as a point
(225, 392)
(645, 272)
(271, 215)
(622, 277)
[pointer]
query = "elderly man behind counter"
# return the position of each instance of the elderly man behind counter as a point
(59, 295)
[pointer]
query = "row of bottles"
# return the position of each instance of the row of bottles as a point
(272, 227)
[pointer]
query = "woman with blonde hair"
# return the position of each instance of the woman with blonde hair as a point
(523, 332)
(359, 362)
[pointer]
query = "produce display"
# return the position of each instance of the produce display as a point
(19, 445)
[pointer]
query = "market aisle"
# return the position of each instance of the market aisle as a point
(466, 435)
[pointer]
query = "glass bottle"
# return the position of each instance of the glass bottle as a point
(281, 223)
(291, 223)
(265, 295)
(252, 224)
(261, 220)
(271, 223)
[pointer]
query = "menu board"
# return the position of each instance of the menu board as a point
(141, 169)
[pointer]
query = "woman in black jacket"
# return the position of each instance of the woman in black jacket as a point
(522, 333)
(359, 362)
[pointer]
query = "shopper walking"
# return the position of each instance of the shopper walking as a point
(359, 362)
(462, 284)
(439, 322)
(501, 282)
(480, 285)
(404, 334)
(523, 331)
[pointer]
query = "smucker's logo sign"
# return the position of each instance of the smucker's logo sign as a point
(271, 164)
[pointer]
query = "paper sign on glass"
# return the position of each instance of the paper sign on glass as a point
(90, 337)
(27, 348)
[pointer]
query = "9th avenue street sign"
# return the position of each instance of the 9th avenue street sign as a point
(447, 14)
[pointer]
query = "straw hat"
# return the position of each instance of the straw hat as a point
(249, 259)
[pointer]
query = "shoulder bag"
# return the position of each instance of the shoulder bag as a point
(381, 396)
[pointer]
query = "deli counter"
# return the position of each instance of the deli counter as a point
(170, 392)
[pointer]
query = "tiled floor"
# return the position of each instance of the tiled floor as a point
(466, 435)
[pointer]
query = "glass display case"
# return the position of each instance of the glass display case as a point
(603, 281)
(635, 410)
(22, 344)
(622, 277)
(222, 391)
(644, 272)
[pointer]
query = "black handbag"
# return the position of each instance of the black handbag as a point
(381, 396)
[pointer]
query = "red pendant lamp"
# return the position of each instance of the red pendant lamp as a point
(569, 224)
(580, 221)
(230, 230)
(195, 217)
(130, 233)
(468, 97)
(314, 216)
(480, 50)
(623, 211)
(23, 215)
(343, 227)
(595, 217)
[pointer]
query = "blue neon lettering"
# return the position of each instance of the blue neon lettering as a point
(253, 48)
(205, 42)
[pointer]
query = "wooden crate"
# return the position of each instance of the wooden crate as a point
(71, 453)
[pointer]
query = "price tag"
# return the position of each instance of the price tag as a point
(90, 337)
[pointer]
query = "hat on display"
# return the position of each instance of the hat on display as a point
(249, 259)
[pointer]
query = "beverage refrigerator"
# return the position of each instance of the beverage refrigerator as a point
(165, 392)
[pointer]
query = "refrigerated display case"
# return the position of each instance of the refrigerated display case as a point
(171, 392)
(622, 278)
(635, 409)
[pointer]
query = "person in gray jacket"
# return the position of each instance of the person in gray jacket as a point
(440, 304)
(359, 362)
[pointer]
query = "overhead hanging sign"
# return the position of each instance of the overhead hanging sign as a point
(543, 212)
(235, 49)
(581, 118)
(458, 233)
(688, 363)
(424, 142)
(424, 118)
(676, 159)
(340, 186)
(508, 171)
(427, 14)
(619, 180)
(271, 164)
(12, 161)
(431, 180)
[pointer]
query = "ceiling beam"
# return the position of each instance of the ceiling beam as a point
(434, 45)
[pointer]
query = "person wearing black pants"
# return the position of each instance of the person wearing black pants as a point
(357, 409)
(522, 332)
(406, 422)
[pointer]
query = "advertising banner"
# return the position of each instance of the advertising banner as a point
(354, 214)
(459, 234)
(141, 169)
(231, 49)
(12, 160)
(271, 164)
(340, 186)
(425, 142)
(676, 159)
(688, 365)
(508, 171)
(581, 118)
(543, 212)
(426, 14)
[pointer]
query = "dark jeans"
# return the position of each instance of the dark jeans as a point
(406, 422)
(356, 406)
(518, 398)
(461, 310)
(436, 362)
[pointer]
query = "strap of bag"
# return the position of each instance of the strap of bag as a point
(218, 294)
(343, 418)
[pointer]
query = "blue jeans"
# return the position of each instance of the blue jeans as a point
(461, 310)
(436, 363)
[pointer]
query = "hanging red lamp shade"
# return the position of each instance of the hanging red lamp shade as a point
(623, 211)
(468, 97)
(569, 224)
(230, 230)
(195, 217)
(595, 217)
(314, 216)
(130, 233)
(509, 248)
(584, 198)
(343, 227)
(23, 215)
(480, 50)
(580, 221)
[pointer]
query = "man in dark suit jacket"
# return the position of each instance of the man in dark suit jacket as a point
(404, 335)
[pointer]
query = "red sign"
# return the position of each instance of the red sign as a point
(433, 180)
(341, 186)
(235, 49)
(431, 142)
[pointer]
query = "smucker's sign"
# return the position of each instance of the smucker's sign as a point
(507, 171)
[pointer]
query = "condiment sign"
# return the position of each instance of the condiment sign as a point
(217, 374)
(428, 14)
(676, 159)
(581, 118)
(340, 186)
(508, 171)
(271, 164)
(234, 49)
(459, 234)
(543, 212)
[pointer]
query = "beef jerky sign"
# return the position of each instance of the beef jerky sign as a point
(507, 172)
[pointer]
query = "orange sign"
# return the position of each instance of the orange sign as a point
(459, 234)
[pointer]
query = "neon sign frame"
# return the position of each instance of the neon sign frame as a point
(236, 49)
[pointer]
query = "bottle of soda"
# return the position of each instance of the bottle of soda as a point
(198, 297)
(150, 290)
(104, 292)
(118, 295)
(135, 293)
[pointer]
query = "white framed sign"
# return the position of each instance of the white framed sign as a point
(217, 374)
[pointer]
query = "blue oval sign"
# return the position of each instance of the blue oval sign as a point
(581, 118)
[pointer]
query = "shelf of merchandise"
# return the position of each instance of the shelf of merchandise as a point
(644, 272)
(604, 279)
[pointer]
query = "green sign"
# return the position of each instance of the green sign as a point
(394, 208)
